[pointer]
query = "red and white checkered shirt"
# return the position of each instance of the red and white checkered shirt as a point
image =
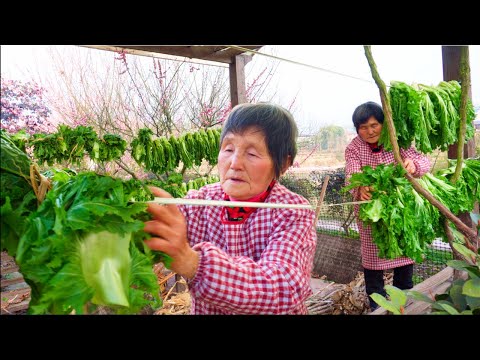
(259, 266)
(357, 155)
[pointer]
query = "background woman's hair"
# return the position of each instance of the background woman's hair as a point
(275, 122)
(365, 111)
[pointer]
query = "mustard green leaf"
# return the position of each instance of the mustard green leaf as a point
(105, 261)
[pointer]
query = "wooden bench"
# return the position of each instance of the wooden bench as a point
(436, 284)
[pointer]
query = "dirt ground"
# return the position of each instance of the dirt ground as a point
(15, 294)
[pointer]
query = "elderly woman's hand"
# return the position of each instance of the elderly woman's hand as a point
(169, 235)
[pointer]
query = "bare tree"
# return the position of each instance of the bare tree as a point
(120, 93)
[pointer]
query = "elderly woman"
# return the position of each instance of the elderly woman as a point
(364, 150)
(243, 260)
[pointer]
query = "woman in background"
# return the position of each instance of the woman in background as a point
(364, 150)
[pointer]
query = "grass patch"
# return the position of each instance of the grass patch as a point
(438, 256)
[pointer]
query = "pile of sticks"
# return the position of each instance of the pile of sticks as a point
(342, 299)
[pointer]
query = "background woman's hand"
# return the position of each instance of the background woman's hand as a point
(169, 235)
(364, 193)
(410, 166)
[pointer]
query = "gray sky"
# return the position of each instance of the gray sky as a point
(326, 99)
(322, 98)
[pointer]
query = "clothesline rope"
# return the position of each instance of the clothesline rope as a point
(301, 63)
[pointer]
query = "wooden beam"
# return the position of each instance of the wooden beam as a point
(212, 55)
(227, 55)
(154, 54)
(237, 79)
(192, 52)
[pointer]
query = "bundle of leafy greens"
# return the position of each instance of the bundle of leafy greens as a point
(67, 144)
(17, 198)
(429, 116)
(403, 223)
(467, 185)
(84, 248)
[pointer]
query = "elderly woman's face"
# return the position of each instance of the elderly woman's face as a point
(245, 166)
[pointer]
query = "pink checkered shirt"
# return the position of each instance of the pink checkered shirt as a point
(260, 266)
(357, 155)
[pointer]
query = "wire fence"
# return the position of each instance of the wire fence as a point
(338, 254)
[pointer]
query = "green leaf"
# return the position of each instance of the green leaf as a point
(397, 296)
(375, 210)
(440, 297)
(457, 264)
(469, 254)
(449, 309)
(472, 288)
(417, 295)
(65, 291)
(387, 305)
(457, 297)
(473, 271)
(473, 302)
(143, 280)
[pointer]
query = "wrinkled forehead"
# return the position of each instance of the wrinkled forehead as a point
(247, 131)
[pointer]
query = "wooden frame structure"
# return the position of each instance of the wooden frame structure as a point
(205, 54)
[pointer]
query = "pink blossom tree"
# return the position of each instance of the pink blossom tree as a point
(23, 106)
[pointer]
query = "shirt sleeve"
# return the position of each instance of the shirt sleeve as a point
(422, 162)
(277, 283)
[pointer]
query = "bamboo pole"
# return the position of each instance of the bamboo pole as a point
(201, 202)
(465, 83)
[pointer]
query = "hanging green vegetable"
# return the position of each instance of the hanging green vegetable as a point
(427, 115)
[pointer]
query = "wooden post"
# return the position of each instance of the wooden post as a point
(237, 79)
(320, 199)
(451, 71)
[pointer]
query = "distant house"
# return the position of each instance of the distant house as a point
(350, 134)
(476, 123)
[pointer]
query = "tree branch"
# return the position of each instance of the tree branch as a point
(119, 163)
